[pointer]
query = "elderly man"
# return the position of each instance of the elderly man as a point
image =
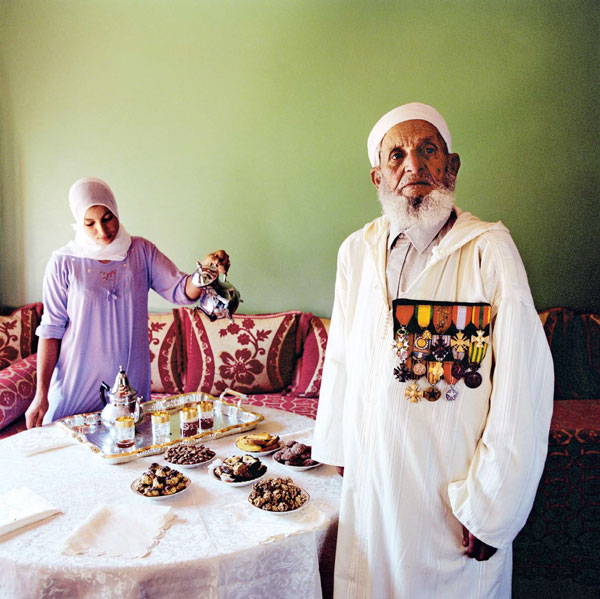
(437, 388)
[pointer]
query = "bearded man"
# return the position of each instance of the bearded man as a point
(437, 388)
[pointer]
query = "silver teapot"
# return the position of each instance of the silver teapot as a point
(220, 298)
(122, 401)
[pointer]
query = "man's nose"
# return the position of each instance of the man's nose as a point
(413, 162)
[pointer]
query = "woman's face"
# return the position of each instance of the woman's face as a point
(100, 224)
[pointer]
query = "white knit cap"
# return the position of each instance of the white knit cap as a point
(406, 112)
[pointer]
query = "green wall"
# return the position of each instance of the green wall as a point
(242, 124)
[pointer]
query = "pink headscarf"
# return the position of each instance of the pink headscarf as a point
(83, 194)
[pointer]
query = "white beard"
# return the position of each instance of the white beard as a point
(404, 212)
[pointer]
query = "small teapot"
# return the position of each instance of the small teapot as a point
(122, 401)
(220, 298)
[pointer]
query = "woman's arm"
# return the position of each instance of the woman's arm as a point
(47, 356)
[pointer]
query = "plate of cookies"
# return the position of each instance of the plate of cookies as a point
(188, 456)
(238, 471)
(258, 444)
(278, 496)
(160, 482)
(296, 456)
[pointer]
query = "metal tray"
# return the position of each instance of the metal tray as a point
(229, 419)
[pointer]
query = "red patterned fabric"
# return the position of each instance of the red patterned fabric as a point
(310, 364)
(17, 389)
(252, 354)
(305, 406)
(165, 354)
(17, 334)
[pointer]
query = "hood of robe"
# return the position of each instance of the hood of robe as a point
(466, 228)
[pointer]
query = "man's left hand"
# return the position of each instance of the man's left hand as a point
(218, 260)
(475, 548)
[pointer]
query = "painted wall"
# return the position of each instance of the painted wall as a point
(242, 124)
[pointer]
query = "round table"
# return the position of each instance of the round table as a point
(204, 552)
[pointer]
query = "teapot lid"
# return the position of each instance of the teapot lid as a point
(122, 389)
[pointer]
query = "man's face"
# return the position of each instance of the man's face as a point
(414, 161)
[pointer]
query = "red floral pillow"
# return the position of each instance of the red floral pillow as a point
(310, 369)
(17, 389)
(165, 354)
(17, 334)
(252, 354)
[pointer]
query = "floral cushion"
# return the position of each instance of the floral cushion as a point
(251, 354)
(305, 406)
(165, 354)
(309, 372)
(17, 334)
(17, 389)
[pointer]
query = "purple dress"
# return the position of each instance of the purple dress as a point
(100, 311)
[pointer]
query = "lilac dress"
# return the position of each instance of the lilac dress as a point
(100, 311)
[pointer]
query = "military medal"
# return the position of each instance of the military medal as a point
(419, 369)
(413, 393)
(402, 340)
(432, 394)
(451, 393)
(479, 343)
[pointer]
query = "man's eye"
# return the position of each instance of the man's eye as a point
(429, 150)
(396, 155)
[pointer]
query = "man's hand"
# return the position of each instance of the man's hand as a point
(36, 411)
(476, 548)
(218, 260)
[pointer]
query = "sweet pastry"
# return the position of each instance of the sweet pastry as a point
(277, 495)
(258, 442)
(160, 481)
(295, 454)
(237, 469)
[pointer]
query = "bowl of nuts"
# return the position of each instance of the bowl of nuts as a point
(188, 456)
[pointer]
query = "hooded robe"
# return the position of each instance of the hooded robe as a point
(414, 472)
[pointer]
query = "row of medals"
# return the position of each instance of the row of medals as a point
(440, 356)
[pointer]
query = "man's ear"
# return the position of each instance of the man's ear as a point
(453, 164)
(376, 176)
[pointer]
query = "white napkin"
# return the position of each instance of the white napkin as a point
(45, 438)
(120, 530)
(21, 506)
(263, 527)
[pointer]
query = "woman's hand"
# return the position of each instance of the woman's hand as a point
(218, 260)
(37, 410)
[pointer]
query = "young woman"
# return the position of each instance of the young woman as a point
(96, 307)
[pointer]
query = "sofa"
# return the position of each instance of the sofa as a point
(276, 360)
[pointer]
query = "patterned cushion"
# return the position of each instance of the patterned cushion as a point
(165, 354)
(310, 368)
(252, 354)
(305, 406)
(17, 334)
(574, 340)
(17, 389)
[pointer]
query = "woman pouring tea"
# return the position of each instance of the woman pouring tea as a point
(95, 297)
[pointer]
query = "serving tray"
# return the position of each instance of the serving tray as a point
(229, 419)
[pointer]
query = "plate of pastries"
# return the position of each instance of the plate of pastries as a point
(238, 470)
(278, 496)
(258, 444)
(296, 456)
(160, 482)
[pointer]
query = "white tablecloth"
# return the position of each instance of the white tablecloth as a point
(187, 562)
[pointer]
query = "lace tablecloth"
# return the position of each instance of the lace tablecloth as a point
(203, 554)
